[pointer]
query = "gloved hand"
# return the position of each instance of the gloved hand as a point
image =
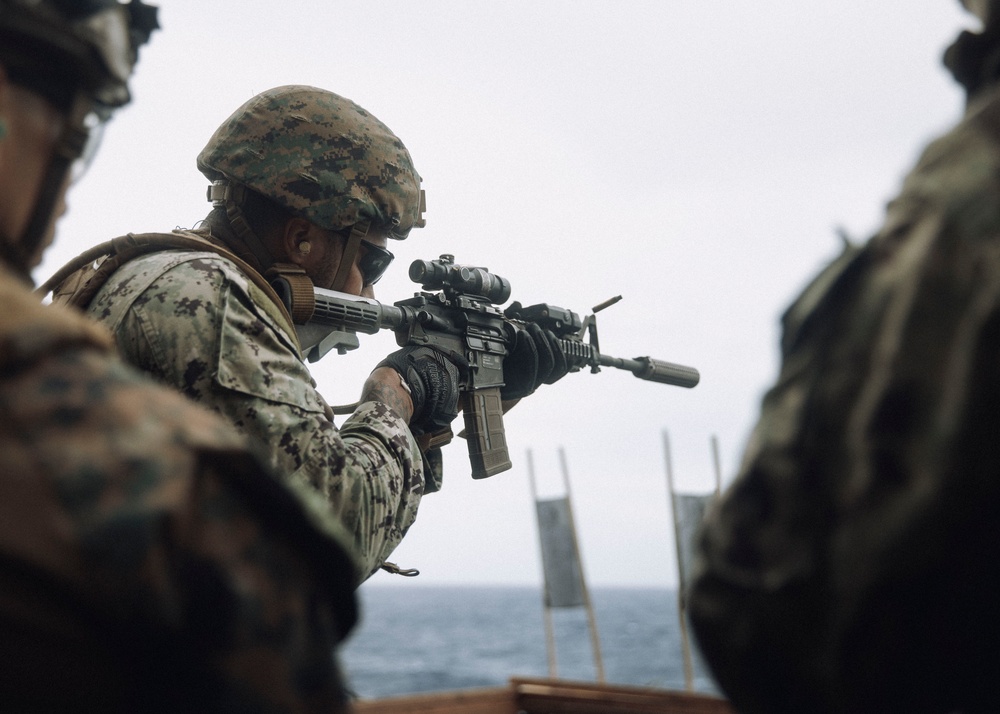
(433, 380)
(535, 359)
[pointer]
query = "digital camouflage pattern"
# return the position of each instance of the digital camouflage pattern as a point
(196, 323)
(319, 155)
(853, 565)
(146, 562)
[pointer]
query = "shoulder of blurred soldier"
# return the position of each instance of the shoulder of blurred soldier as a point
(112, 488)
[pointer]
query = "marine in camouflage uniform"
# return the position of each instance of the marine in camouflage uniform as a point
(198, 321)
(853, 565)
(147, 562)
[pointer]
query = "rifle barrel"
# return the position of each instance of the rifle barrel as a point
(654, 370)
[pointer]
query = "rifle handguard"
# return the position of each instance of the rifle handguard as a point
(461, 320)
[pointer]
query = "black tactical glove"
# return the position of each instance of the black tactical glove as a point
(433, 380)
(535, 359)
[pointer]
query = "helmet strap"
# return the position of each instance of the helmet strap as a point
(227, 194)
(358, 233)
(295, 288)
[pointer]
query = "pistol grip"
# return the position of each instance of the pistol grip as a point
(484, 431)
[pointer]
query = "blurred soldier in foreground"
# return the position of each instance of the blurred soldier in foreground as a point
(308, 187)
(853, 565)
(146, 562)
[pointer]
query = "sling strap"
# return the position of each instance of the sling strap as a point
(77, 282)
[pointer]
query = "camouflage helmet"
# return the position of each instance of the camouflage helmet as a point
(59, 47)
(321, 156)
(78, 55)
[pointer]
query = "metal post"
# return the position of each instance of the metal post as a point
(681, 599)
(550, 639)
(595, 639)
(718, 468)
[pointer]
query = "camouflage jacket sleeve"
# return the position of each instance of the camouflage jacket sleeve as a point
(193, 321)
(147, 563)
(852, 565)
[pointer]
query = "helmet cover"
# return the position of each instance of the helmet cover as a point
(319, 155)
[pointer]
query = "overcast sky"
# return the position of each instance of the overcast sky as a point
(695, 157)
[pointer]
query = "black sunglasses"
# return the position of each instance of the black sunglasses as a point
(374, 262)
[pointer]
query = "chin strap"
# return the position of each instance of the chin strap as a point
(358, 233)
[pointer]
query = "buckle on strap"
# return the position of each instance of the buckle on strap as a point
(223, 190)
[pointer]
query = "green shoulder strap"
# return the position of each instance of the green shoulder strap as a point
(77, 282)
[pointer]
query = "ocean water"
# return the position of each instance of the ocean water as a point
(422, 639)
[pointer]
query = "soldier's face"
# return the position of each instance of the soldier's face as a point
(325, 259)
(33, 128)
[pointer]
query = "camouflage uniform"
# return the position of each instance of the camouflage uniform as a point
(146, 563)
(195, 322)
(201, 323)
(853, 564)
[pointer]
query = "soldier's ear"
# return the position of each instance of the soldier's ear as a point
(296, 240)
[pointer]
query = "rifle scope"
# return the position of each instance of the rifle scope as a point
(443, 274)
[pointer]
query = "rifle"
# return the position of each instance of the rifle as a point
(457, 313)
